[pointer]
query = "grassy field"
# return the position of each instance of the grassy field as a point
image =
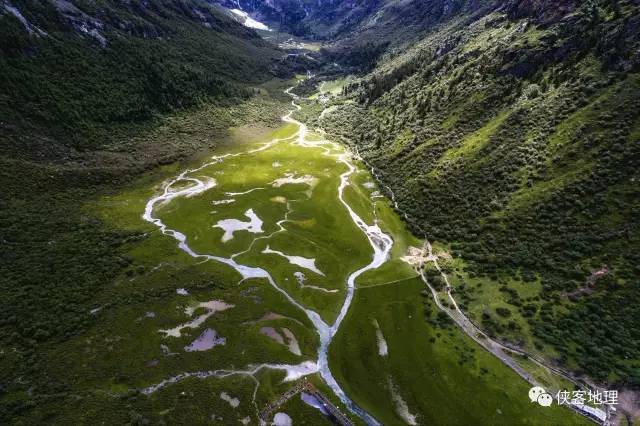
(524, 163)
(331, 88)
(443, 377)
(319, 228)
(157, 307)
(316, 225)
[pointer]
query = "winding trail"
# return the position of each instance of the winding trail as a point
(380, 242)
(381, 245)
(500, 350)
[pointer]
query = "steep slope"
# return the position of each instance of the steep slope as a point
(83, 64)
(394, 26)
(316, 18)
(512, 135)
(507, 130)
(389, 20)
(93, 94)
(402, 21)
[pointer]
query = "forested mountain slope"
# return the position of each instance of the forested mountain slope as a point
(92, 94)
(80, 65)
(513, 136)
(508, 132)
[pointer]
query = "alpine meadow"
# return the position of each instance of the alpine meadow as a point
(316, 212)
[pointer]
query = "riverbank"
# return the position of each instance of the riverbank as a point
(66, 260)
(244, 250)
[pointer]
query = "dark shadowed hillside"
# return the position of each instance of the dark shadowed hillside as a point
(82, 65)
(92, 94)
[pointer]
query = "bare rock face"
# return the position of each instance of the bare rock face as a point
(301, 16)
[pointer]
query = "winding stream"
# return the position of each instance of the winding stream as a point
(380, 242)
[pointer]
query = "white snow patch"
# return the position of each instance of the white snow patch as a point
(248, 21)
(182, 291)
(300, 277)
(232, 225)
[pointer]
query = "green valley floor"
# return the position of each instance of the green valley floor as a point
(273, 259)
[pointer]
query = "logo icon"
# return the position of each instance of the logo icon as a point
(539, 395)
(545, 400)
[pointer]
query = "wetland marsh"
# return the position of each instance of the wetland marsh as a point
(307, 254)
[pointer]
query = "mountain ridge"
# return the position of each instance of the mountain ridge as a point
(151, 58)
